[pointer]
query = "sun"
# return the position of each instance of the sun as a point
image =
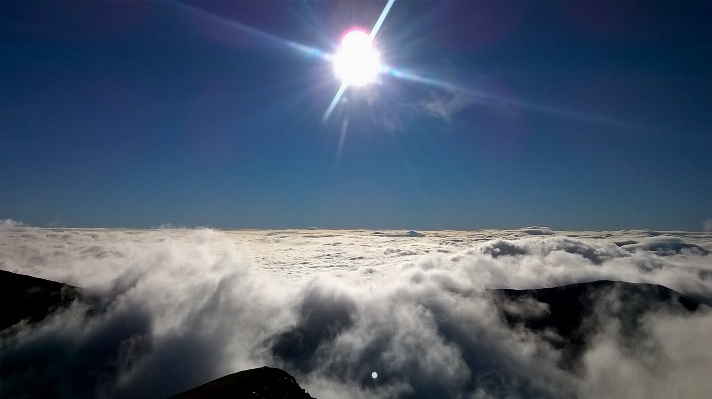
(356, 61)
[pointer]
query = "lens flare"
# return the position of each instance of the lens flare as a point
(356, 61)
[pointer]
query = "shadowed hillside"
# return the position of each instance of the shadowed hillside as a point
(261, 383)
(574, 312)
(31, 298)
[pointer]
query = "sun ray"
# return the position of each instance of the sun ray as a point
(335, 101)
(381, 18)
(403, 74)
(372, 35)
(484, 96)
(307, 50)
(356, 61)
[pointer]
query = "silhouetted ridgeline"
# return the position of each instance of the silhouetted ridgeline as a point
(31, 298)
(574, 312)
(261, 383)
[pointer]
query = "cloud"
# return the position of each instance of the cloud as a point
(537, 231)
(661, 361)
(707, 225)
(667, 246)
(445, 106)
(171, 309)
(8, 223)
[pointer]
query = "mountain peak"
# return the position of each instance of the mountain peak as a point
(260, 383)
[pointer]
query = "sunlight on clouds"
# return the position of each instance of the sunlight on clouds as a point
(182, 306)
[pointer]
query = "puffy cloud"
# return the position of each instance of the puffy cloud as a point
(667, 246)
(666, 358)
(8, 223)
(166, 310)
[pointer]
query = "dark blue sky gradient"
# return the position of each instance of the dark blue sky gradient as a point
(135, 114)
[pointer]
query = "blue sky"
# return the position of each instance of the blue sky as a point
(587, 115)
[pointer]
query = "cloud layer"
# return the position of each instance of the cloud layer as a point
(172, 309)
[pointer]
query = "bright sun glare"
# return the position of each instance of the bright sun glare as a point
(356, 62)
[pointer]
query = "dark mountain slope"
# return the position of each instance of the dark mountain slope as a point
(31, 298)
(575, 312)
(261, 383)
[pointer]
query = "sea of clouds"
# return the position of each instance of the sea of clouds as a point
(169, 309)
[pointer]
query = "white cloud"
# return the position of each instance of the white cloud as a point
(707, 225)
(8, 223)
(181, 307)
(671, 358)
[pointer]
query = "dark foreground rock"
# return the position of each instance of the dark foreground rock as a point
(31, 298)
(261, 383)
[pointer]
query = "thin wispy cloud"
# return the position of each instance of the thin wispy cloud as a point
(445, 106)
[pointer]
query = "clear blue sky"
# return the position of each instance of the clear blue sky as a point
(590, 115)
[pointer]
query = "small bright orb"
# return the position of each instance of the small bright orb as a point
(374, 375)
(356, 62)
